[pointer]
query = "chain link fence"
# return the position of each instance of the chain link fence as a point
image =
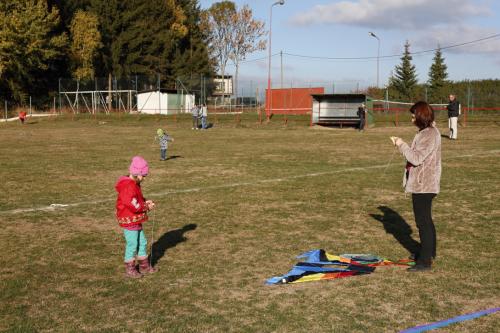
(222, 95)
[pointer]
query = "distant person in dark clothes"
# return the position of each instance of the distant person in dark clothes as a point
(362, 116)
(422, 179)
(453, 113)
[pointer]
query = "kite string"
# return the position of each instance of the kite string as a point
(152, 239)
(363, 207)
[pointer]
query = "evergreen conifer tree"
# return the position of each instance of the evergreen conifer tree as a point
(405, 75)
(437, 77)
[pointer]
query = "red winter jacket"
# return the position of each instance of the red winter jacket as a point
(131, 208)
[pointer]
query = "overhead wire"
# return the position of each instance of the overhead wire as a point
(375, 57)
(396, 55)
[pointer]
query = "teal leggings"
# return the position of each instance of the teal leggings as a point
(135, 243)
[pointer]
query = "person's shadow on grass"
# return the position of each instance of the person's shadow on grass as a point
(396, 225)
(168, 240)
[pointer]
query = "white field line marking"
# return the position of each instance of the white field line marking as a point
(54, 207)
(29, 116)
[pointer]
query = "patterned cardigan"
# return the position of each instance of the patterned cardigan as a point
(423, 172)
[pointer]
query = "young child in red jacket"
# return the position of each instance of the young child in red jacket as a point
(22, 116)
(131, 212)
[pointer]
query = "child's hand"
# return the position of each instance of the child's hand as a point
(150, 204)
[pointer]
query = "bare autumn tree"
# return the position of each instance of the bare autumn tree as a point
(85, 42)
(218, 22)
(246, 38)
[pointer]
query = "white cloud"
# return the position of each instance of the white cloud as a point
(394, 14)
(457, 34)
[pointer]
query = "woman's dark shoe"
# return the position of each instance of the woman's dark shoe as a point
(419, 268)
(414, 256)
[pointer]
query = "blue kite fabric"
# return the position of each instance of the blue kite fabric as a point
(320, 265)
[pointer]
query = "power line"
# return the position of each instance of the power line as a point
(381, 57)
(395, 55)
(252, 60)
(257, 59)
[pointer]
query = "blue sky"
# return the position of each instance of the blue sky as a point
(328, 28)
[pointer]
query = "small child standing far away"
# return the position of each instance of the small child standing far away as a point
(164, 138)
(22, 116)
(131, 213)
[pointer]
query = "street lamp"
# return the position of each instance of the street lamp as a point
(378, 55)
(268, 97)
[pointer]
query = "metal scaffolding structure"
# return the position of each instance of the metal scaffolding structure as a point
(96, 100)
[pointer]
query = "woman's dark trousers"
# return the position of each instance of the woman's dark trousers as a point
(422, 209)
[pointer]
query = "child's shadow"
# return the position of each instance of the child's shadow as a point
(168, 240)
(395, 225)
(173, 157)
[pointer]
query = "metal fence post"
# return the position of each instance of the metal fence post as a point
(60, 106)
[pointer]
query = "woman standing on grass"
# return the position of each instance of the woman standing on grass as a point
(131, 213)
(421, 179)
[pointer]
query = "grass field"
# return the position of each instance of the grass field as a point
(234, 207)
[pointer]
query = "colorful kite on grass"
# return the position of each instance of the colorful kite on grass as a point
(320, 265)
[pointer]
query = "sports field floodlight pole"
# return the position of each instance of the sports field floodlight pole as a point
(378, 54)
(268, 97)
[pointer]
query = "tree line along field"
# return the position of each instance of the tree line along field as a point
(235, 205)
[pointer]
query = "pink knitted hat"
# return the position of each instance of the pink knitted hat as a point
(139, 166)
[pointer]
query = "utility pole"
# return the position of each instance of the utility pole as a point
(281, 56)
(268, 97)
(378, 55)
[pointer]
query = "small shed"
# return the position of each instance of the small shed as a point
(339, 109)
(293, 100)
(164, 102)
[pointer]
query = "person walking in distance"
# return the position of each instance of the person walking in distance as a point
(453, 113)
(195, 112)
(163, 139)
(22, 116)
(204, 115)
(422, 177)
(362, 116)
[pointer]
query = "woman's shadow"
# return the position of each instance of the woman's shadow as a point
(395, 225)
(168, 240)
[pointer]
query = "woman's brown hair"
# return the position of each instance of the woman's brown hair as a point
(424, 114)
